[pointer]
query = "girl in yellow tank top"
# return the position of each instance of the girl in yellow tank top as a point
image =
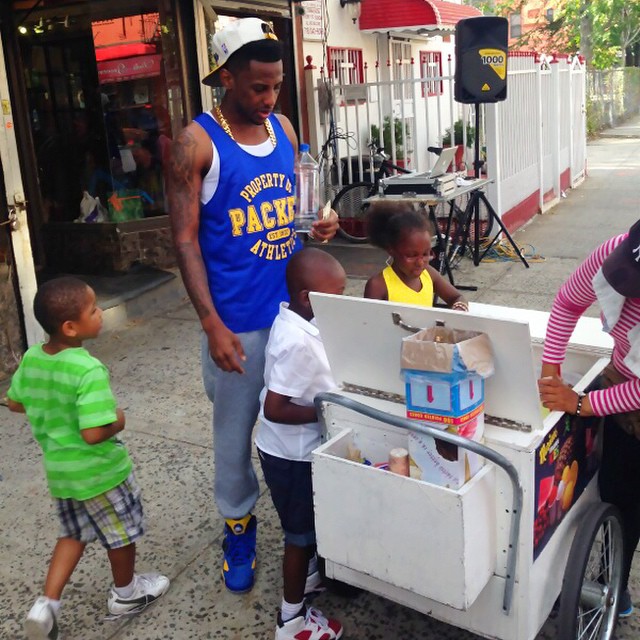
(405, 235)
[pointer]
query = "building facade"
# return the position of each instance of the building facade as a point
(383, 68)
(529, 22)
(92, 93)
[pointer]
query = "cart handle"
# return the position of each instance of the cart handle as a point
(476, 447)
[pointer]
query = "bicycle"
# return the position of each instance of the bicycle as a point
(462, 231)
(327, 160)
(350, 203)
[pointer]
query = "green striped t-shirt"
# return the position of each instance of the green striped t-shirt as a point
(63, 394)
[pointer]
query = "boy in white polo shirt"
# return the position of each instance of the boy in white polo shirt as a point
(296, 371)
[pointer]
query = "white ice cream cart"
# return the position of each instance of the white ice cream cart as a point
(493, 556)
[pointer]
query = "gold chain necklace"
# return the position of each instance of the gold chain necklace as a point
(227, 129)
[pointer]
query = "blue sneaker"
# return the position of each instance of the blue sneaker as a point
(239, 547)
(625, 606)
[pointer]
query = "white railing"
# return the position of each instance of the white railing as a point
(354, 108)
(533, 143)
(536, 139)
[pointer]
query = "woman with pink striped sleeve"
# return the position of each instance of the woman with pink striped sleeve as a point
(610, 276)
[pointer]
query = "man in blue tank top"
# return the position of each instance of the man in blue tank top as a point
(231, 197)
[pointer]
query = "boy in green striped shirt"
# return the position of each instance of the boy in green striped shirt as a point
(66, 395)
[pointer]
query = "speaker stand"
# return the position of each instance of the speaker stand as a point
(479, 196)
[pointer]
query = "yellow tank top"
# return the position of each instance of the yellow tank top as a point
(397, 291)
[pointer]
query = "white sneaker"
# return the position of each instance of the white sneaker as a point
(41, 622)
(314, 585)
(149, 587)
(309, 624)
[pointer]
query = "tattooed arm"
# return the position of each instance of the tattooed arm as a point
(191, 157)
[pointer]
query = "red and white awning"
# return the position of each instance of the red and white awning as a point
(423, 16)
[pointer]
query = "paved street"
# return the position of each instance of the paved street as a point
(154, 365)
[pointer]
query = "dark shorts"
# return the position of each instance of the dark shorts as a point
(289, 482)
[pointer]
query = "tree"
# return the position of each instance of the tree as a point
(629, 25)
(605, 31)
(546, 36)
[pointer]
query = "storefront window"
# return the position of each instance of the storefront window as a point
(105, 99)
(135, 108)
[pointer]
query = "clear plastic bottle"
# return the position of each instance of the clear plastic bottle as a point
(307, 190)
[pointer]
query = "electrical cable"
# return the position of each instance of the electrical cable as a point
(504, 252)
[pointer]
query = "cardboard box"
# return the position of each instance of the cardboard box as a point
(443, 350)
(444, 371)
(447, 398)
(444, 464)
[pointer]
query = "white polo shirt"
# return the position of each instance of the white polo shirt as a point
(296, 366)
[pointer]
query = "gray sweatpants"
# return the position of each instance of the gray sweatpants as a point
(236, 405)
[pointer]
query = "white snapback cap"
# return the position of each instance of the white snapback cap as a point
(232, 38)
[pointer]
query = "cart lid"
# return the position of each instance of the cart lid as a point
(588, 334)
(363, 347)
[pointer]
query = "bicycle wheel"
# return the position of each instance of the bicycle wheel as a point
(459, 234)
(472, 221)
(351, 209)
(593, 577)
(483, 223)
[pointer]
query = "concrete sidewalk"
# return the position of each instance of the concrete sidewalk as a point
(154, 365)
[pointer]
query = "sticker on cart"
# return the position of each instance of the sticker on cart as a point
(566, 460)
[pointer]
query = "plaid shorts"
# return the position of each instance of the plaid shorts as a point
(113, 518)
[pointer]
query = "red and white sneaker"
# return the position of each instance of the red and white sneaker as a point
(309, 624)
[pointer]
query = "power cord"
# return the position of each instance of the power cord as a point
(504, 252)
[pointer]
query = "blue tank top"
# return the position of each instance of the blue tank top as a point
(246, 229)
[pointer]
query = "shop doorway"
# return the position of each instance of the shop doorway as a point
(103, 85)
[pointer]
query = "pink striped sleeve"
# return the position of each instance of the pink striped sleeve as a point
(617, 399)
(574, 297)
(626, 396)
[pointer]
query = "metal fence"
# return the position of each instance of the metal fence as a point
(613, 96)
(533, 143)
(405, 115)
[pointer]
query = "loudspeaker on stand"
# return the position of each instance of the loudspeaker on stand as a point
(481, 60)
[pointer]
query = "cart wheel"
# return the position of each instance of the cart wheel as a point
(592, 580)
